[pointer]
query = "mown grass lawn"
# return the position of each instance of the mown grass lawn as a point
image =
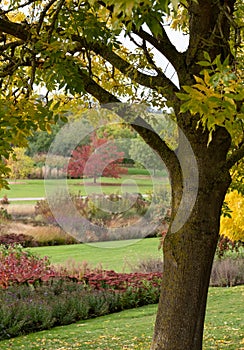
(133, 329)
(117, 255)
(131, 182)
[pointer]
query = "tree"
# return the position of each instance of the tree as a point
(40, 141)
(143, 155)
(75, 47)
(123, 134)
(20, 165)
(99, 158)
(232, 225)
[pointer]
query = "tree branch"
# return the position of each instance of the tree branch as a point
(144, 129)
(160, 42)
(29, 2)
(104, 97)
(154, 82)
(235, 156)
(164, 46)
(43, 14)
(150, 60)
(54, 19)
(15, 29)
(11, 68)
(12, 45)
(160, 81)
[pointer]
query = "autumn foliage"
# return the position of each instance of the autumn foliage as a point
(18, 267)
(99, 158)
(232, 226)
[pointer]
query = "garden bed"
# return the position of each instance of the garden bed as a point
(35, 295)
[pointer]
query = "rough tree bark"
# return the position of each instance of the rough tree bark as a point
(189, 253)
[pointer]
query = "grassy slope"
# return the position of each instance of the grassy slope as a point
(132, 329)
(118, 255)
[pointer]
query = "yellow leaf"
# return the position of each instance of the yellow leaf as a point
(206, 77)
(199, 80)
(233, 227)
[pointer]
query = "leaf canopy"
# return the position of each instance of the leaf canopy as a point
(54, 52)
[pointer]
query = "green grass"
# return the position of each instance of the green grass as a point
(116, 255)
(133, 329)
(130, 183)
(224, 328)
(138, 171)
(24, 188)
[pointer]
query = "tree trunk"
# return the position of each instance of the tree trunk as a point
(188, 258)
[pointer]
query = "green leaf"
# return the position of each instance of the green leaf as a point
(218, 63)
(215, 99)
(204, 63)
(204, 108)
(182, 96)
(189, 106)
(55, 105)
(199, 80)
(175, 4)
(206, 56)
(239, 97)
(226, 62)
(215, 79)
(220, 118)
(184, 107)
(154, 26)
(188, 89)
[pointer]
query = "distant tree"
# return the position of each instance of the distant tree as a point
(99, 158)
(20, 165)
(41, 140)
(144, 156)
(66, 138)
(123, 134)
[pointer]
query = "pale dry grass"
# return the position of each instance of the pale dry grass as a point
(20, 209)
(45, 235)
(75, 269)
(17, 227)
(52, 234)
(227, 272)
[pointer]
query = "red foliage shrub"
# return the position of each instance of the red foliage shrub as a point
(8, 239)
(111, 280)
(18, 266)
(225, 244)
